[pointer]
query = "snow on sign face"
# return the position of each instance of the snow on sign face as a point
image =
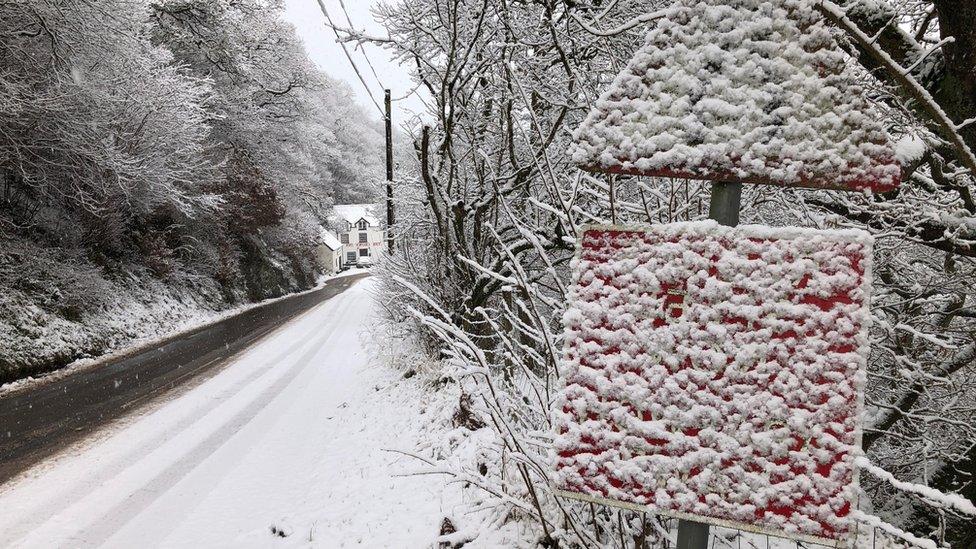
(716, 373)
(754, 91)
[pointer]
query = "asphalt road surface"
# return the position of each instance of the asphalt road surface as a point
(37, 422)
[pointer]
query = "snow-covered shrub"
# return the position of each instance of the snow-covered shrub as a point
(58, 281)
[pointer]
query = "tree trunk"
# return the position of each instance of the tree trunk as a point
(957, 90)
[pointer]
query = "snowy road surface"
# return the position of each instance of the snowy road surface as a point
(289, 438)
(43, 418)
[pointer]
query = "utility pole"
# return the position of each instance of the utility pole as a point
(724, 208)
(389, 173)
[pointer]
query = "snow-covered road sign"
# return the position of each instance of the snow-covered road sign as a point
(715, 373)
(751, 91)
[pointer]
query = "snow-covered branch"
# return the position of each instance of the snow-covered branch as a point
(638, 21)
(953, 502)
(908, 83)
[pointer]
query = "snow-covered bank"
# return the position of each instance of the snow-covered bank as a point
(59, 315)
(142, 317)
(290, 445)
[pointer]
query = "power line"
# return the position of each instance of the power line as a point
(342, 4)
(355, 68)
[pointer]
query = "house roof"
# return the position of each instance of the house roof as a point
(756, 91)
(330, 240)
(354, 212)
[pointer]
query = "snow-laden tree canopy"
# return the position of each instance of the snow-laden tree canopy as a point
(746, 90)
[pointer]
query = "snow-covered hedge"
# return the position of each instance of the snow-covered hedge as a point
(487, 224)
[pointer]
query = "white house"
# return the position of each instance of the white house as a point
(329, 253)
(361, 234)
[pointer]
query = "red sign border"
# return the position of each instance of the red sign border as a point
(707, 175)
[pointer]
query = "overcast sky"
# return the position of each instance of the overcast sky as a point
(320, 41)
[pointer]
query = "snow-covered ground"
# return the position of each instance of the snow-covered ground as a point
(287, 446)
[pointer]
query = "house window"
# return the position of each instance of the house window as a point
(351, 256)
(344, 238)
(364, 252)
(363, 238)
(362, 224)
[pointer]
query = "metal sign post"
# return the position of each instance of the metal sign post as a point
(390, 218)
(724, 204)
(724, 208)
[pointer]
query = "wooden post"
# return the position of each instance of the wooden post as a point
(389, 173)
(724, 208)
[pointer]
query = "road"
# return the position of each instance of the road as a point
(286, 446)
(40, 421)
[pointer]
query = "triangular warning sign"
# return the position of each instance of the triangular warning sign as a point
(755, 91)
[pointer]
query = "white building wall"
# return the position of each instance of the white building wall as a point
(364, 244)
(329, 260)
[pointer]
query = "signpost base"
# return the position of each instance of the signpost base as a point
(692, 535)
(724, 204)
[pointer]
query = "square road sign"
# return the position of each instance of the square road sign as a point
(716, 374)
